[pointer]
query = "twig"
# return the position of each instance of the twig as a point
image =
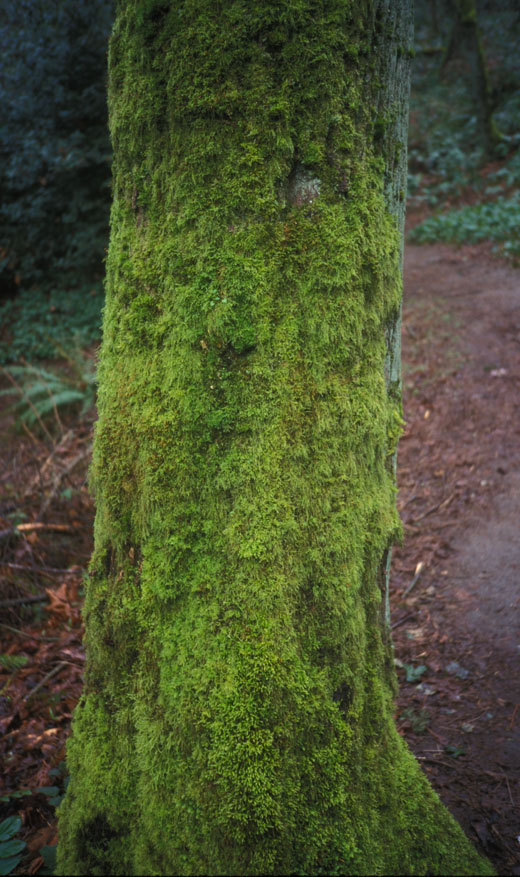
(37, 525)
(85, 453)
(446, 763)
(46, 570)
(7, 684)
(418, 570)
(402, 620)
(19, 601)
(442, 524)
(408, 501)
(28, 635)
(29, 433)
(493, 774)
(434, 508)
(513, 717)
(509, 790)
(46, 679)
(434, 734)
(48, 461)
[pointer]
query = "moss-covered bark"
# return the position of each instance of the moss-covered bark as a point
(237, 714)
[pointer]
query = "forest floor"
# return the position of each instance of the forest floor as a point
(455, 595)
(456, 617)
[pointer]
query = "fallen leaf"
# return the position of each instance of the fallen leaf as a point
(75, 654)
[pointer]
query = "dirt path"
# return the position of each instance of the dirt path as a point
(459, 472)
(488, 554)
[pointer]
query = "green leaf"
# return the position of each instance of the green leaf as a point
(56, 801)
(48, 790)
(11, 848)
(18, 794)
(454, 751)
(9, 827)
(8, 865)
(48, 855)
(413, 674)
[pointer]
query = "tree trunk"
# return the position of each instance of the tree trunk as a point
(237, 713)
(466, 38)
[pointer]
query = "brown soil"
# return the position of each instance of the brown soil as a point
(459, 476)
(455, 596)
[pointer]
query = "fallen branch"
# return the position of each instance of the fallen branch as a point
(37, 525)
(406, 502)
(48, 461)
(437, 737)
(48, 570)
(442, 525)
(19, 601)
(46, 678)
(442, 504)
(83, 455)
(418, 570)
(402, 620)
(26, 634)
(452, 764)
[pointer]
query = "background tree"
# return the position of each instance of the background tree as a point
(237, 714)
(466, 39)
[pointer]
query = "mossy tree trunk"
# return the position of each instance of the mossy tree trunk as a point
(237, 713)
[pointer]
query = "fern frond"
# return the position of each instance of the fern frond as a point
(45, 406)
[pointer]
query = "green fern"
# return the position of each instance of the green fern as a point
(43, 393)
(13, 662)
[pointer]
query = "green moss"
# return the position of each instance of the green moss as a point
(237, 715)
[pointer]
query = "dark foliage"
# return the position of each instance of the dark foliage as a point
(54, 172)
(473, 193)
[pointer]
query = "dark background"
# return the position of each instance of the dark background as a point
(55, 156)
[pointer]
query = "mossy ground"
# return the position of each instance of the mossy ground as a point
(237, 715)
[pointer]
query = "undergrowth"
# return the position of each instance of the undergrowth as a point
(447, 163)
(41, 395)
(497, 221)
(54, 173)
(36, 321)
